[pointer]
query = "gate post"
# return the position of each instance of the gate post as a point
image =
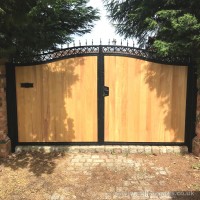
(11, 105)
(100, 75)
(5, 144)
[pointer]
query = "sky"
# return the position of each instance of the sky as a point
(103, 29)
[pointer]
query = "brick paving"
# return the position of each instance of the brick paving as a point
(85, 163)
(138, 186)
(88, 175)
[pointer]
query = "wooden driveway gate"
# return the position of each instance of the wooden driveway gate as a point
(102, 95)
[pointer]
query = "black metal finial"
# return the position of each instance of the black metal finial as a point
(100, 42)
(92, 42)
(74, 43)
(121, 42)
(86, 42)
(127, 43)
(68, 45)
(114, 42)
(133, 43)
(109, 42)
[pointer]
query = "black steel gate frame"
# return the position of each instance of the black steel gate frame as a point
(100, 51)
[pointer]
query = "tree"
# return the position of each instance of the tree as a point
(169, 27)
(28, 27)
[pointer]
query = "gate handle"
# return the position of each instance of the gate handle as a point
(106, 91)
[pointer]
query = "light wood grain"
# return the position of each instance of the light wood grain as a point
(147, 101)
(62, 105)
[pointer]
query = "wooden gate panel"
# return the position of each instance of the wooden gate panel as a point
(62, 105)
(147, 101)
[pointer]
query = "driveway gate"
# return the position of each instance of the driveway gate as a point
(102, 95)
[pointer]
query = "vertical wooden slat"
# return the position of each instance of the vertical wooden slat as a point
(147, 101)
(62, 105)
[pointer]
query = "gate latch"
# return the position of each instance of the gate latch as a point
(106, 91)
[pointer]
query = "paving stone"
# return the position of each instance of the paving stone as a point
(127, 183)
(91, 149)
(124, 149)
(151, 163)
(184, 149)
(77, 155)
(70, 168)
(110, 164)
(140, 149)
(155, 149)
(169, 149)
(95, 156)
(89, 160)
(111, 189)
(137, 164)
(163, 172)
(75, 160)
(111, 156)
(121, 157)
(117, 149)
(84, 149)
(163, 149)
(78, 164)
(148, 149)
(103, 164)
(18, 149)
(98, 161)
(177, 149)
(109, 160)
(134, 181)
(73, 149)
(94, 164)
(118, 161)
(129, 161)
(132, 149)
(82, 160)
(150, 177)
(109, 149)
(99, 149)
(144, 183)
(122, 189)
(167, 170)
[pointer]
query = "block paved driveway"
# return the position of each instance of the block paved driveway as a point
(60, 176)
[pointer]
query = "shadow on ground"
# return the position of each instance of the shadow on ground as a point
(36, 162)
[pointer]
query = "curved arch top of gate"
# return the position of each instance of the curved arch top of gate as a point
(98, 50)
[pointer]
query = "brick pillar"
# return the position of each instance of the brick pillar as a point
(196, 140)
(5, 145)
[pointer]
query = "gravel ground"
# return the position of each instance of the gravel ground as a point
(85, 176)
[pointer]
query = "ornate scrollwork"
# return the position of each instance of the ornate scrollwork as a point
(143, 54)
(100, 49)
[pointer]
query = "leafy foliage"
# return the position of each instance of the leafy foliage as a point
(170, 27)
(30, 26)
